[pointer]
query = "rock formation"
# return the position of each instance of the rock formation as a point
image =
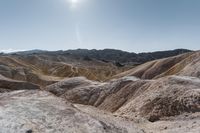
(41, 112)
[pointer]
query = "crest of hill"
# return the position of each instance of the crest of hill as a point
(185, 64)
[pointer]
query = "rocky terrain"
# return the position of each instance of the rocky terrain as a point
(185, 65)
(45, 67)
(160, 96)
(40, 112)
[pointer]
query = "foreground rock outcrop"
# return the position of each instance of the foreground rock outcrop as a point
(41, 112)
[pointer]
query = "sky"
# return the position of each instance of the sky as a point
(130, 25)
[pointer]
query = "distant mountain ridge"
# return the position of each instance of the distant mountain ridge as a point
(118, 57)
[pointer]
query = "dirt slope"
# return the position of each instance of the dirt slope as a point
(185, 64)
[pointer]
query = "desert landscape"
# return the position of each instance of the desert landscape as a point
(80, 91)
(99, 66)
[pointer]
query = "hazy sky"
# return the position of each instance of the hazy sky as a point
(131, 25)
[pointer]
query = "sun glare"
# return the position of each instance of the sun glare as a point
(74, 3)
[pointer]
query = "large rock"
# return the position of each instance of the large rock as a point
(41, 112)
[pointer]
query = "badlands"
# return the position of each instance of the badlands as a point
(82, 92)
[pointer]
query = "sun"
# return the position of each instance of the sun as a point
(74, 3)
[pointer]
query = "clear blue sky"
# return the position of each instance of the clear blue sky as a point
(131, 25)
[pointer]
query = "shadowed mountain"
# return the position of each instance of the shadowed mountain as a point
(122, 57)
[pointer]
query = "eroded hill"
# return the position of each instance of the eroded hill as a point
(44, 67)
(169, 98)
(185, 65)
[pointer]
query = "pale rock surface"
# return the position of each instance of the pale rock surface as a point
(41, 112)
